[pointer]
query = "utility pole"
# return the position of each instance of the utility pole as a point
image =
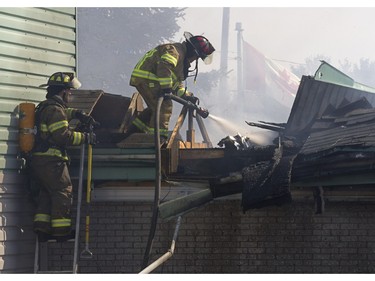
(239, 60)
(224, 53)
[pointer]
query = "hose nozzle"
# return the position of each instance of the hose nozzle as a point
(202, 112)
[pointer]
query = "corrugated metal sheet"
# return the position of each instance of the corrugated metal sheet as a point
(34, 43)
(314, 97)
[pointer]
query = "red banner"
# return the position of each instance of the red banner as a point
(264, 76)
(254, 68)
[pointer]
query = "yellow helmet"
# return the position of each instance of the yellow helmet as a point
(63, 79)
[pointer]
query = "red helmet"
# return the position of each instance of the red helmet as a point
(202, 47)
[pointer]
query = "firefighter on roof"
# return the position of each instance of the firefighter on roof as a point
(162, 70)
(49, 158)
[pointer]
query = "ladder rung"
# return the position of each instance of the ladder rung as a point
(36, 258)
(55, 241)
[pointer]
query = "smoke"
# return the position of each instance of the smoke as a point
(228, 115)
(225, 126)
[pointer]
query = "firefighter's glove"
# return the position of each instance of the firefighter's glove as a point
(90, 138)
(164, 92)
(86, 120)
(192, 99)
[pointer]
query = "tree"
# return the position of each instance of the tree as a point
(363, 72)
(111, 41)
(206, 81)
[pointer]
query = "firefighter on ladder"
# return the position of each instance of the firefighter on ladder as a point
(162, 70)
(49, 159)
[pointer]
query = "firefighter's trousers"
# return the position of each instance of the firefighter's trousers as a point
(150, 96)
(53, 213)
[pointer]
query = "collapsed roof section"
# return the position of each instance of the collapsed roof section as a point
(329, 139)
(316, 98)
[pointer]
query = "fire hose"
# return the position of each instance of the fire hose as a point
(199, 110)
(155, 212)
(202, 112)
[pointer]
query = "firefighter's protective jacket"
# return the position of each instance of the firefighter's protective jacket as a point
(163, 66)
(54, 135)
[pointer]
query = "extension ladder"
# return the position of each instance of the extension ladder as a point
(41, 258)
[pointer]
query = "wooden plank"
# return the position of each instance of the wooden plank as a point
(19, 52)
(136, 105)
(37, 41)
(15, 233)
(35, 27)
(137, 140)
(15, 248)
(8, 120)
(19, 218)
(20, 80)
(9, 106)
(208, 153)
(29, 66)
(10, 149)
(10, 163)
(12, 178)
(17, 263)
(23, 94)
(9, 134)
(63, 10)
(176, 129)
(13, 190)
(13, 204)
(66, 19)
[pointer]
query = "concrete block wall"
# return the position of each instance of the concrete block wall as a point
(220, 238)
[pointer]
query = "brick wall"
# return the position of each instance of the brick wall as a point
(219, 238)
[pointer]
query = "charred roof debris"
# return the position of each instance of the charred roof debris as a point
(327, 143)
(326, 148)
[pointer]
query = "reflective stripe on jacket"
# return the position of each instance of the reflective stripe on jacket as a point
(163, 66)
(54, 134)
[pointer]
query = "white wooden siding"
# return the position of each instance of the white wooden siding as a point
(34, 43)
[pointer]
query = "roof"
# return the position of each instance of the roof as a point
(335, 125)
(329, 140)
(314, 98)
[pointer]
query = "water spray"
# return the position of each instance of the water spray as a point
(231, 128)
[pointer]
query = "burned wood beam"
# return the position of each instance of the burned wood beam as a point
(266, 126)
(274, 124)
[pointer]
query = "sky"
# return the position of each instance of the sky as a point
(287, 31)
(290, 35)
